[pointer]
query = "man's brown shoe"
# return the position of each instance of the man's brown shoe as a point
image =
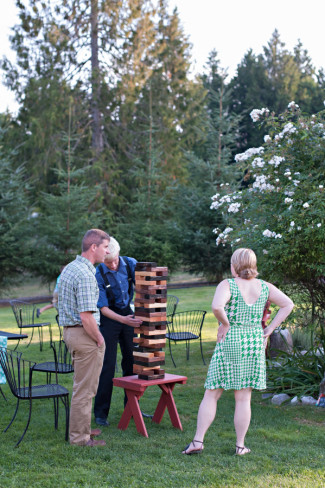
(93, 443)
(95, 432)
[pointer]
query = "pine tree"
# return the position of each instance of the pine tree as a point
(209, 170)
(64, 215)
(14, 215)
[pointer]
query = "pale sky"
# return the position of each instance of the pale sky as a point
(229, 26)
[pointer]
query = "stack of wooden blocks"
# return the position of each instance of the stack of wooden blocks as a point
(150, 306)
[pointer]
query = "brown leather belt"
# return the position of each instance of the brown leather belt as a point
(76, 325)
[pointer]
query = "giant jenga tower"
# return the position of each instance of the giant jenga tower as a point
(150, 306)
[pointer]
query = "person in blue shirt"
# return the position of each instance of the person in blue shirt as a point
(54, 303)
(115, 278)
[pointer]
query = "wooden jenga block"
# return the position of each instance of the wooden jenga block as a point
(154, 324)
(156, 375)
(148, 288)
(150, 273)
(152, 362)
(153, 343)
(149, 312)
(150, 332)
(140, 294)
(160, 354)
(146, 349)
(149, 280)
(153, 305)
(144, 354)
(156, 318)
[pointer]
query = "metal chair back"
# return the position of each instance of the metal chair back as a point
(25, 315)
(185, 327)
(172, 302)
(62, 363)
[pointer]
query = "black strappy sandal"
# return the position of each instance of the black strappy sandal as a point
(239, 451)
(194, 451)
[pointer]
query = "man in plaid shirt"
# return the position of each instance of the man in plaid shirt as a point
(79, 316)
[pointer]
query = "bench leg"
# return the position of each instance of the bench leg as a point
(132, 409)
(167, 401)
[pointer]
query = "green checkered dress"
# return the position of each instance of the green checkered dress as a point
(239, 361)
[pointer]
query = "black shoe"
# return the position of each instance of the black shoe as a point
(147, 415)
(101, 421)
(38, 313)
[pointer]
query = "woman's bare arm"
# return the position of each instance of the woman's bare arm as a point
(220, 299)
(286, 305)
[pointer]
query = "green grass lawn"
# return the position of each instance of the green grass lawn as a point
(287, 442)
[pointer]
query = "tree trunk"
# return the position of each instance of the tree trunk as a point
(97, 136)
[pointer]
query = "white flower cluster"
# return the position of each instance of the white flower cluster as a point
(268, 233)
(288, 200)
(261, 183)
(234, 207)
(293, 105)
(257, 113)
(223, 236)
(276, 160)
(258, 162)
(216, 202)
(289, 128)
(267, 138)
(248, 154)
(306, 205)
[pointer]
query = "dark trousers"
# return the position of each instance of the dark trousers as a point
(114, 333)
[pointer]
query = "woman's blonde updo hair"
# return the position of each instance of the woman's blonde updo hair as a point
(244, 263)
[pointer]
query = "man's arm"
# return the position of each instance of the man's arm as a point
(123, 319)
(90, 325)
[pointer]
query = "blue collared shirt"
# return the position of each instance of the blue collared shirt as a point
(119, 284)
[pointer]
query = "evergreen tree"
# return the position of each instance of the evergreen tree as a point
(64, 215)
(272, 80)
(148, 231)
(14, 215)
(209, 169)
(250, 89)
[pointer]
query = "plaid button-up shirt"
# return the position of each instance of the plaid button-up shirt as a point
(78, 292)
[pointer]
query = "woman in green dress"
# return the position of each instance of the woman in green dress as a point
(238, 361)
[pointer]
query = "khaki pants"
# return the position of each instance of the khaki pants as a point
(87, 359)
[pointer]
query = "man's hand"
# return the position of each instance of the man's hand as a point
(100, 341)
(132, 321)
(91, 328)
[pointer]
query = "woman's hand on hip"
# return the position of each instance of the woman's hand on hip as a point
(222, 332)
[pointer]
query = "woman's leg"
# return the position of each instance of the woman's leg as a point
(242, 416)
(206, 415)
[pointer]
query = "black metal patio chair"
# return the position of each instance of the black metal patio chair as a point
(19, 375)
(4, 396)
(186, 327)
(59, 326)
(172, 302)
(25, 315)
(62, 363)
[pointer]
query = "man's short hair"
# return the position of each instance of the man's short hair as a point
(93, 236)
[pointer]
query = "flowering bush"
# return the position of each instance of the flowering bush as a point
(280, 214)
